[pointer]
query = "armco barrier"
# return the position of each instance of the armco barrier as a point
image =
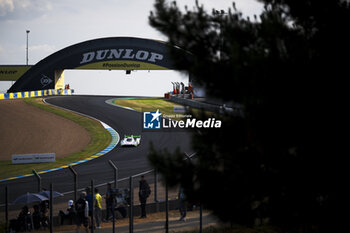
(28, 94)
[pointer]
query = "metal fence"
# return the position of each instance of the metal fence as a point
(160, 199)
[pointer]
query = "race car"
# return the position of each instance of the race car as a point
(130, 140)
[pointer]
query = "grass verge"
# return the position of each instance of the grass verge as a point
(151, 104)
(166, 107)
(100, 139)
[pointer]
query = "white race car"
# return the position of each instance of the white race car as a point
(131, 140)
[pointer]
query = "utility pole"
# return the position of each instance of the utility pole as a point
(27, 47)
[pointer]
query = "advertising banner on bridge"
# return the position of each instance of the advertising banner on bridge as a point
(34, 158)
(122, 65)
(113, 53)
(12, 72)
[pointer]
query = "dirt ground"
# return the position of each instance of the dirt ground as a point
(25, 129)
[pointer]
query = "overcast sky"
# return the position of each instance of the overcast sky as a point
(56, 24)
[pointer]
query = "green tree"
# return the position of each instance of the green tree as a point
(281, 161)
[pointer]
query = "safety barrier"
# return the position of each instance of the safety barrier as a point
(28, 94)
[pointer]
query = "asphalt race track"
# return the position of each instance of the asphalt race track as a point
(129, 161)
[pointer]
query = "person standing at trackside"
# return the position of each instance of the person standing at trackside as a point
(98, 208)
(82, 212)
(182, 204)
(110, 203)
(90, 199)
(144, 192)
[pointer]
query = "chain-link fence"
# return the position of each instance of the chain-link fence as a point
(127, 205)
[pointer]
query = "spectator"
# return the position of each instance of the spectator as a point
(182, 204)
(14, 227)
(98, 208)
(37, 216)
(82, 212)
(89, 199)
(69, 213)
(44, 206)
(144, 192)
(24, 219)
(122, 201)
(110, 201)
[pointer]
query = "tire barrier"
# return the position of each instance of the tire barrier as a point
(29, 94)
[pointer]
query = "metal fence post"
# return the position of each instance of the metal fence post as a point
(200, 218)
(166, 208)
(189, 158)
(75, 183)
(39, 180)
(156, 189)
(51, 211)
(113, 215)
(93, 205)
(131, 210)
(6, 209)
(115, 173)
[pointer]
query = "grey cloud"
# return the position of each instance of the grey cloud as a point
(24, 9)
